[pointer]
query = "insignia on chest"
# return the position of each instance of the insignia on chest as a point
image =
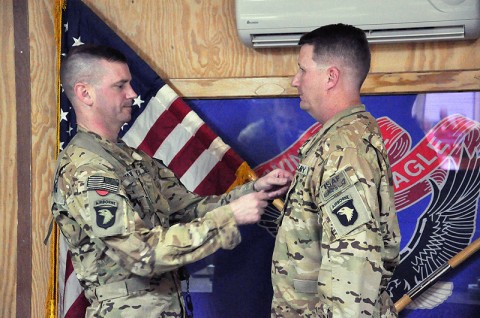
(303, 169)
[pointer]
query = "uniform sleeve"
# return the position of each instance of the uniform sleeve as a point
(96, 200)
(358, 249)
(184, 205)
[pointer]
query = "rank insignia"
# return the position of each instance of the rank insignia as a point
(303, 169)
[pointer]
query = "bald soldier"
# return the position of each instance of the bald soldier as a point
(128, 221)
(338, 239)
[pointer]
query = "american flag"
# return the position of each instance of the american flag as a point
(162, 125)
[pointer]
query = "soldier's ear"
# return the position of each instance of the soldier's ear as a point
(84, 93)
(333, 74)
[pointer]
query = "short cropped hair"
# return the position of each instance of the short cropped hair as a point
(82, 63)
(341, 41)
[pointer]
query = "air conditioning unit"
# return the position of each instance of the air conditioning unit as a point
(281, 23)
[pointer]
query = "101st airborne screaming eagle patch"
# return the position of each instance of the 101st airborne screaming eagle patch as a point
(106, 212)
(343, 203)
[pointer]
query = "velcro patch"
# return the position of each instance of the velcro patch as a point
(106, 214)
(103, 185)
(303, 169)
(338, 183)
(106, 211)
(347, 212)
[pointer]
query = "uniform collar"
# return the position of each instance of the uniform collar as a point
(312, 141)
(339, 116)
(99, 138)
(120, 148)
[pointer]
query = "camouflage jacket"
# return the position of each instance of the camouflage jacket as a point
(129, 234)
(338, 240)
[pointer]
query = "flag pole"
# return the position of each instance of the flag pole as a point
(60, 5)
(52, 296)
(432, 278)
(51, 305)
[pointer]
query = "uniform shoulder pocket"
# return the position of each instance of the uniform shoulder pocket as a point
(107, 208)
(343, 203)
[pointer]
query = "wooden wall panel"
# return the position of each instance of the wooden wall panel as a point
(199, 36)
(43, 96)
(8, 167)
(195, 47)
(426, 57)
(376, 83)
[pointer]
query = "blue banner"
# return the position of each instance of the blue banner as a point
(434, 148)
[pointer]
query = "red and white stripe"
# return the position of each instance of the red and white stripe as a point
(170, 131)
(71, 300)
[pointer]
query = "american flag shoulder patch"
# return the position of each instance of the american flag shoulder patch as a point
(103, 183)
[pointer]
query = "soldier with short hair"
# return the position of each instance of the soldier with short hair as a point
(338, 238)
(128, 221)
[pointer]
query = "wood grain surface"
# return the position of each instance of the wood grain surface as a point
(43, 126)
(8, 173)
(187, 39)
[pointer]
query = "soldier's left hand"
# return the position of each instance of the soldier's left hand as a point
(275, 183)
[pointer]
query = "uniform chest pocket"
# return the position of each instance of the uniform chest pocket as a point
(305, 189)
(139, 184)
(141, 187)
(105, 212)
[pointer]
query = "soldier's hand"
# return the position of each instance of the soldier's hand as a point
(275, 183)
(250, 207)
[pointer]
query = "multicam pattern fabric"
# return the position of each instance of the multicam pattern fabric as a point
(128, 235)
(338, 241)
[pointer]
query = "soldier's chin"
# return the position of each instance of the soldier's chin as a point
(128, 113)
(127, 118)
(303, 105)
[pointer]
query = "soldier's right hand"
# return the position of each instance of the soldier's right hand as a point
(250, 207)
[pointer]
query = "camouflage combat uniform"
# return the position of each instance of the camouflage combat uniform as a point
(338, 240)
(127, 233)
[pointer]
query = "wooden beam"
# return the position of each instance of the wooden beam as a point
(375, 84)
(24, 155)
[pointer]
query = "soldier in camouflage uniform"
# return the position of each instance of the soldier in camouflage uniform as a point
(338, 238)
(128, 221)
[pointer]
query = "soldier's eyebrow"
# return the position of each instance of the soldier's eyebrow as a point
(120, 83)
